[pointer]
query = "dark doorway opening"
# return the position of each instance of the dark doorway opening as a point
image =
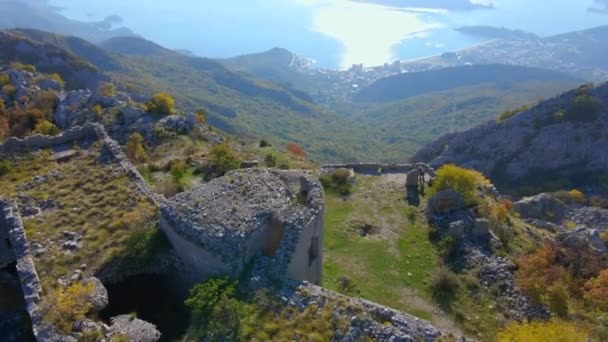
(152, 299)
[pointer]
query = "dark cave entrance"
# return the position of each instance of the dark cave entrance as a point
(151, 298)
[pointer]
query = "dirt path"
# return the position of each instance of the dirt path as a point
(439, 319)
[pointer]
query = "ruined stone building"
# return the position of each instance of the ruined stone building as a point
(221, 226)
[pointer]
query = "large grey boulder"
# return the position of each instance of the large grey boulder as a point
(99, 297)
(134, 329)
(179, 124)
(542, 207)
(70, 104)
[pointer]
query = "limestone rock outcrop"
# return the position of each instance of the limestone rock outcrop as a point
(536, 145)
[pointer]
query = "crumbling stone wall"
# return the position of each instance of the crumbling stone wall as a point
(379, 168)
(11, 223)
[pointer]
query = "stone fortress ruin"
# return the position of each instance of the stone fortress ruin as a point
(265, 220)
(219, 227)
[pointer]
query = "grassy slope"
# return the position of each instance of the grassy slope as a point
(394, 265)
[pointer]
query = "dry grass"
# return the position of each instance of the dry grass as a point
(95, 199)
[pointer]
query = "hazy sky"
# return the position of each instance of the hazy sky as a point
(341, 32)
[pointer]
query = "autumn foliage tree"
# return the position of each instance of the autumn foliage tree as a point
(538, 272)
(296, 150)
(596, 290)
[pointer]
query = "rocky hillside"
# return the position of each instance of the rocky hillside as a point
(553, 144)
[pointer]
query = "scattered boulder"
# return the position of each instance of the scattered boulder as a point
(70, 103)
(48, 84)
(99, 297)
(134, 329)
(542, 207)
(457, 229)
(178, 123)
(583, 237)
(131, 114)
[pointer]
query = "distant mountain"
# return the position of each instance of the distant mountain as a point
(407, 85)
(557, 144)
(581, 54)
(136, 46)
(41, 16)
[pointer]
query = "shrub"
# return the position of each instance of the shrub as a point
(162, 104)
(69, 305)
(9, 90)
(4, 79)
(584, 108)
(444, 284)
(554, 331)
(511, 113)
(539, 271)
(598, 201)
(338, 180)
(201, 116)
(45, 127)
(57, 78)
(296, 150)
(106, 89)
(23, 67)
(463, 181)
(215, 309)
(557, 300)
(135, 148)
(264, 143)
(270, 160)
(224, 158)
(178, 170)
(5, 167)
(596, 291)
(559, 115)
(571, 197)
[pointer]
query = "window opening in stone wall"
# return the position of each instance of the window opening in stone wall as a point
(313, 251)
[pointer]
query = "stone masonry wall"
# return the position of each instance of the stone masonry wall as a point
(30, 283)
(374, 168)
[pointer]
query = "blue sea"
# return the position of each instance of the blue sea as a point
(335, 33)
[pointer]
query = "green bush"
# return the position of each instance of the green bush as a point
(4, 79)
(270, 160)
(178, 170)
(264, 143)
(215, 309)
(45, 127)
(463, 181)
(224, 158)
(23, 67)
(584, 108)
(162, 104)
(5, 167)
(338, 180)
(444, 284)
(135, 148)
